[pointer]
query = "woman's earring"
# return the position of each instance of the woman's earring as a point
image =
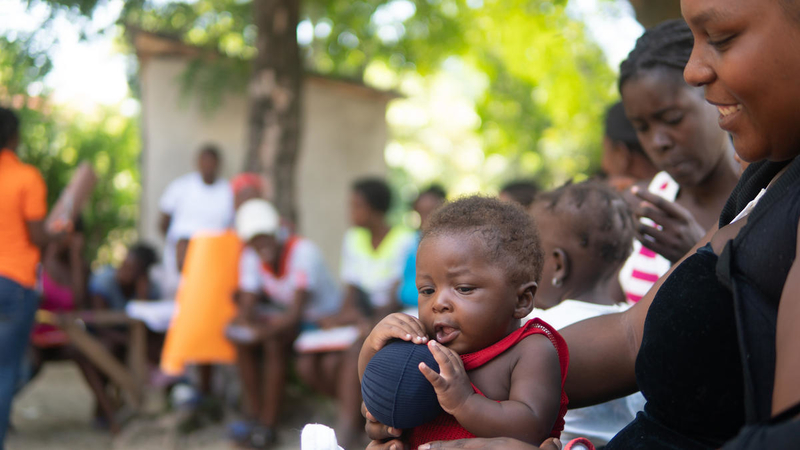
(556, 282)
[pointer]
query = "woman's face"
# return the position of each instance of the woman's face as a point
(677, 129)
(747, 58)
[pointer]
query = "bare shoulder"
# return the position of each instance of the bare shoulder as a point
(535, 350)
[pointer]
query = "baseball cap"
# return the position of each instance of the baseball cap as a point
(254, 217)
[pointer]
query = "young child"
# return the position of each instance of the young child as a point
(478, 264)
(292, 274)
(586, 231)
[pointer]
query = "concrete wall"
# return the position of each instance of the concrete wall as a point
(343, 138)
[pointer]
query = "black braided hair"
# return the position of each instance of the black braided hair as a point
(9, 126)
(619, 128)
(667, 45)
(601, 219)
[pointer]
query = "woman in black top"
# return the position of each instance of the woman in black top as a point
(721, 348)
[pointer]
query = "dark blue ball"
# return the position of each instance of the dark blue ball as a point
(395, 391)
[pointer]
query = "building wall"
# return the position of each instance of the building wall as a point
(344, 135)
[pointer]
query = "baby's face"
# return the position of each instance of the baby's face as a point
(466, 301)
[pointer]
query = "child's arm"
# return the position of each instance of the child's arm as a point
(394, 326)
(534, 395)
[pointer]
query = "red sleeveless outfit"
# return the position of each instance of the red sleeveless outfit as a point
(446, 427)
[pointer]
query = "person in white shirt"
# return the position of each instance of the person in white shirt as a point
(373, 257)
(586, 233)
(198, 201)
(290, 272)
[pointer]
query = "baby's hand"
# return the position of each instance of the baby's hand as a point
(451, 383)
(396, 326)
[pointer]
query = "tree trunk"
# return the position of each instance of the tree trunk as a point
(275, 95)
(653, 12)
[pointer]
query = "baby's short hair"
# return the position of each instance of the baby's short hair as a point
(509, 233)
(601, 219)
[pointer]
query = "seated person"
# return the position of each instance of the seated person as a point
(478, 264)
(584, 228)
(111, 288)
(520, 191)
(373, 255)
(425, 204)
(63, 281)
(624, 161)
(586, 231)
(291, 273)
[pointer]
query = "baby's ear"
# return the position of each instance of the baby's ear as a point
(525, 294)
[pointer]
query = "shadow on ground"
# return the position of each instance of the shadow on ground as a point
(55, 411)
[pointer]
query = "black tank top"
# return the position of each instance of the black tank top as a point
(754, 266)
(707, 357)
(688, 367)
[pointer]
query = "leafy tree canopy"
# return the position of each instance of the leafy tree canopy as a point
(546, 83)
(55, 140)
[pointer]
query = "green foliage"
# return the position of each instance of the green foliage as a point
(56, 141)
(546, 84)
(548, 91)
(84, 7)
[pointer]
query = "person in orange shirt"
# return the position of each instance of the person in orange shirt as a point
(23, 206)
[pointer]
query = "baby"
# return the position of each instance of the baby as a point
(478, 264)
(586, 230)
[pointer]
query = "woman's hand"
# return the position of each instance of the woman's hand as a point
(678, 232)
(451, 384)
(383, 436)
(491, 444)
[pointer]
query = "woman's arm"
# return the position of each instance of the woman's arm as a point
(489, 444)
(37, 233)
(602, 350)
(77, 270)
(787, 341)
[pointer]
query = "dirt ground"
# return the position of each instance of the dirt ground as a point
(55, 412)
